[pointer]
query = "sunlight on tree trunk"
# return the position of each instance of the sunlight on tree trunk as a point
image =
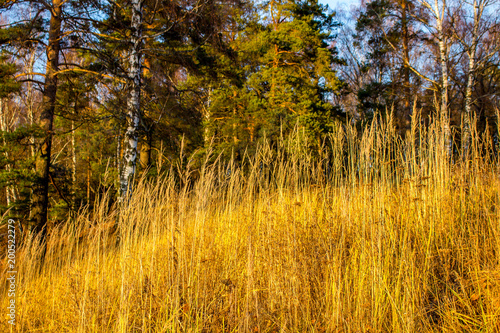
(438, 12)
(133, 104)
(478, 9)
(40, 201)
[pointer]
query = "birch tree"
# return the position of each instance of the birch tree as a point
(133, 113)
(471, 40)
(390, 29)
(169, 37)
(438, 10)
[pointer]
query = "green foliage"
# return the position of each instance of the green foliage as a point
(285, 66)
(374, 97)
(16, 167)
(8, 83)
(14, 34)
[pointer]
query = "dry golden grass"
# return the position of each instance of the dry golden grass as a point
(395, 238)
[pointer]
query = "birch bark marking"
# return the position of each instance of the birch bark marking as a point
(439, 14)
(443, 56)
(40, 200)
(133, 103)
(471, 53)
(443, 52)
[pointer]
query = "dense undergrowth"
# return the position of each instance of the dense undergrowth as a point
(371, 234)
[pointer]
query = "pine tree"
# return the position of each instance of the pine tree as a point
(52, 26)
(153, 47)
(286, 65)
(16, 174)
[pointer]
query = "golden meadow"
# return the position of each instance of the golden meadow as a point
(372, 233)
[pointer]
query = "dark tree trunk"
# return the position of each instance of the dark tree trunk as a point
(40, 200)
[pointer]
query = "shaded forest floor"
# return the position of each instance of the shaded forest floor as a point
(389, 237)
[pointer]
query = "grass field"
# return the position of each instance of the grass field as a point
(390, 235)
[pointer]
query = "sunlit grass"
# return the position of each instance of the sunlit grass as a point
(379, 235)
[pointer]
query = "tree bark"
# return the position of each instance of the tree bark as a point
(443, 57)
(89, 174)
(206, 118)
(145, 155)
(439, 14)
(73, 160)
(119, 154)
(30, 99)
(406, 116)
(40, 200)
(471, 52)
(133, 103)
(147, 137)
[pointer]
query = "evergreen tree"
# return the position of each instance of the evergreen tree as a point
(286, 64)
(16, 174)
(53, 26)
(153, 47)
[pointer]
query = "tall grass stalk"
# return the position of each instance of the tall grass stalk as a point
(372, 233)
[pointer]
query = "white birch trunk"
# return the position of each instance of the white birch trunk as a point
(468, 102)
(470, 82)
(439, 13)
(471, 53)
(133, 103)
(119, 154)
(443, 57)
